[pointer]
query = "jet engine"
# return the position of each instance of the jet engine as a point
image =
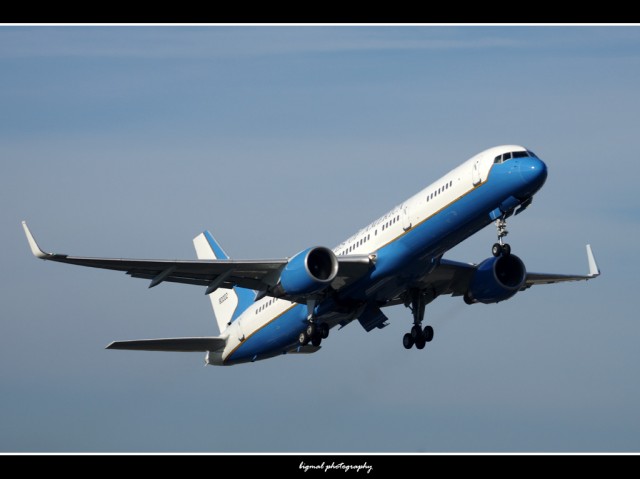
(496, 279)
(308, 272)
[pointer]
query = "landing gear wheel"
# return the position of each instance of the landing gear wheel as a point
(416, 332)
(496, 249)
(416, 300)
(311, 330)
(316, 340)
(506, 250)
(324, 330)
(303, 339)
(428, 333)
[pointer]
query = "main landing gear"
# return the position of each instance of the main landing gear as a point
(314, 334)
(501, 248)
(418, 336)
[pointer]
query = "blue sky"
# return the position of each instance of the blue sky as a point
(129, 141)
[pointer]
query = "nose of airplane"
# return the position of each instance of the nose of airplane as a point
(533, 172)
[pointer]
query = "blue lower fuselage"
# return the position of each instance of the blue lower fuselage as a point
(407, 258)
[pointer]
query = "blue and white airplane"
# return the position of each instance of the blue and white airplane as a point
(265, 308)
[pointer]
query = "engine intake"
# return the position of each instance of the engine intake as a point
(496, 279)
(308, 272)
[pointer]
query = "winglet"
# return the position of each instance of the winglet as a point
(35, 249)
(593, 266)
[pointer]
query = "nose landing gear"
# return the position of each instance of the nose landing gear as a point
(501, 248)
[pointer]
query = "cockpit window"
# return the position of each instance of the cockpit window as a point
(513, 154)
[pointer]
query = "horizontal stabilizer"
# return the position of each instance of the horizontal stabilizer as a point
(182, 345)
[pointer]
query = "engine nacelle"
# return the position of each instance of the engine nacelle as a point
(308, 272)
(496, 279)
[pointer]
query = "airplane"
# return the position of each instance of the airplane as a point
(267, 308)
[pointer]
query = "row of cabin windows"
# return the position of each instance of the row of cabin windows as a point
(265, 305)
(364, 239)
(390, 222)
(360, 242)
(440, 190)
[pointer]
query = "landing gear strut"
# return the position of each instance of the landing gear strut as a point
(501, 248)
(418, 336)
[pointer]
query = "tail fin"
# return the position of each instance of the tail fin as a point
(227, 304)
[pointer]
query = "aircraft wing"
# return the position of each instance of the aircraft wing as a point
(452, 277)
(219, 273)
(549, 278)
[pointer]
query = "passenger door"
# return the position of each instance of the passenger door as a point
(476, 173)
(406, 218)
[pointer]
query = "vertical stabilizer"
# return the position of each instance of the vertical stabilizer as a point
(227, 304)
